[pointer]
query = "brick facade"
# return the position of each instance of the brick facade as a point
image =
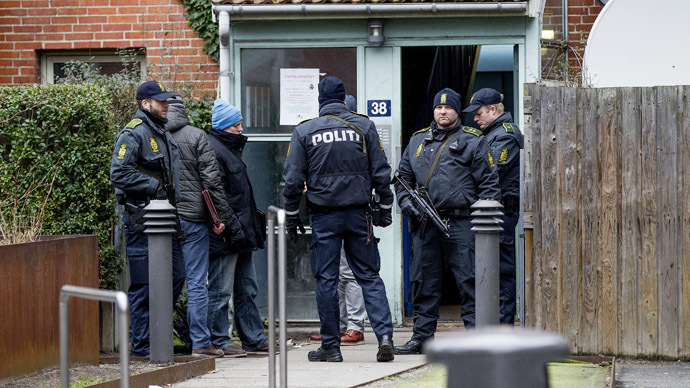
(174, 53)
(581, 17)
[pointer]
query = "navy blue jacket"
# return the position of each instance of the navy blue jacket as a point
(238, 190)
(340, 166)
(464, 173)
(506, 141)
(138, 149)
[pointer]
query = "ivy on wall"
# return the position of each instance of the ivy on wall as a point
(200, 19)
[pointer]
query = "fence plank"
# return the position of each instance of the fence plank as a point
(631, 240)
(588, 291)
(668, 234)
(648, 329)
(569, 225)
(551, 108)
(684, 173)
(533, 311)
(608, 232)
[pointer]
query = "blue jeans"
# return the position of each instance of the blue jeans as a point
(353, 227)
(138, 293)
(229, 273)
(195, 251)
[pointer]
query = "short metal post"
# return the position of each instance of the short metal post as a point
(160, 225)
(122, 306)
(487, 219)
(282, 295)
(498, 357)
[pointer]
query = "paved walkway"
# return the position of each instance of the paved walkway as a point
(359, 367)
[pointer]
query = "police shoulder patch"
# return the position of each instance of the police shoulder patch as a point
(473, 131)
(421, 130)
(123, 150)
(491, 160)
(509, 128)
(133, 123)
(360, 114)
(305, 120)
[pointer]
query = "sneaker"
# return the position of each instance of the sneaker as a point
(351, 337)
(332, 355)
(233, 352)
(208, 351)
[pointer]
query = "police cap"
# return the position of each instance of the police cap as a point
(481, 97)
(152, 89)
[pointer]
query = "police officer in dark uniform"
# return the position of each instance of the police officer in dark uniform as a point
(505, 141)
(145, 166)
(340, 157)
(452, 167)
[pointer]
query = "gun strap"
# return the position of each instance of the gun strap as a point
(149, 173)
(354, 128)
(438, 156)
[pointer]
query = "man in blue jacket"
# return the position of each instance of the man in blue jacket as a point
(339, 157)
(145, 157)
(505, 141)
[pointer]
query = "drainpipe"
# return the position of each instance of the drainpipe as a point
(224, 55)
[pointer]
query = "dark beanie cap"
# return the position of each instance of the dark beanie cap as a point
(448, 97)
(331, 88)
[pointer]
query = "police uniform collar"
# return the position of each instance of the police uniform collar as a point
(505, 117)
(155, 122)
(333, 107)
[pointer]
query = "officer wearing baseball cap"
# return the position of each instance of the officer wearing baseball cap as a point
(145, 166)
(505, 141)
(451, 165)
(340, 157)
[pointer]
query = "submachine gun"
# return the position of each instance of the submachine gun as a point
(425, 208)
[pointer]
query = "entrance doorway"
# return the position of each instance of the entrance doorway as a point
(425, 71)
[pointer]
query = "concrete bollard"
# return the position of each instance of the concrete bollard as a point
(498, 357)
(160, 225)
(487, 219)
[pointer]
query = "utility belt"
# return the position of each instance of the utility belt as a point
(511, 205)
(454, 213)
(314, 208)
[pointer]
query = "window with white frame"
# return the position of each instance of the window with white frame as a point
(54, 64)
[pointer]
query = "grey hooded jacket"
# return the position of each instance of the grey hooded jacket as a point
(198, 169)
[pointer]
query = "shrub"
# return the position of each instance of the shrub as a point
(66, 133)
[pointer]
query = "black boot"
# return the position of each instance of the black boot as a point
(331, 355)
(411, 347)
(385, 349)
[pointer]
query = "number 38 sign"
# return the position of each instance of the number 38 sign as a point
(378, 108)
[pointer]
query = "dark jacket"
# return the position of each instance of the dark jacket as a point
(332, 158)
(505, 141)
(463, 174)
(145, 153)
(198, 169)
(238, 191)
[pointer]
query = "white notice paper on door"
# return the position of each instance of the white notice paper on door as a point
(299, 95)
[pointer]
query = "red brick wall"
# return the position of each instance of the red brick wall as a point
(173, 50)
(581, 17)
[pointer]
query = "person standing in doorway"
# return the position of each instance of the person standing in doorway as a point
(231, 269)
(340, 157)
(452, 167)
(505, 141)
(145, 166)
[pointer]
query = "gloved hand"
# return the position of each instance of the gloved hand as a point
(408, 209)
(292, 222)
(386, 217)
(235, 237)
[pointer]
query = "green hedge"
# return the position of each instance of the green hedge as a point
(66, 132)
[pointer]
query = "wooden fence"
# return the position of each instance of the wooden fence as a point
(607, 218)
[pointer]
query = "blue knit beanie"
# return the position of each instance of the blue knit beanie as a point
(448, 97)
(224, 115)
(331, 88)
